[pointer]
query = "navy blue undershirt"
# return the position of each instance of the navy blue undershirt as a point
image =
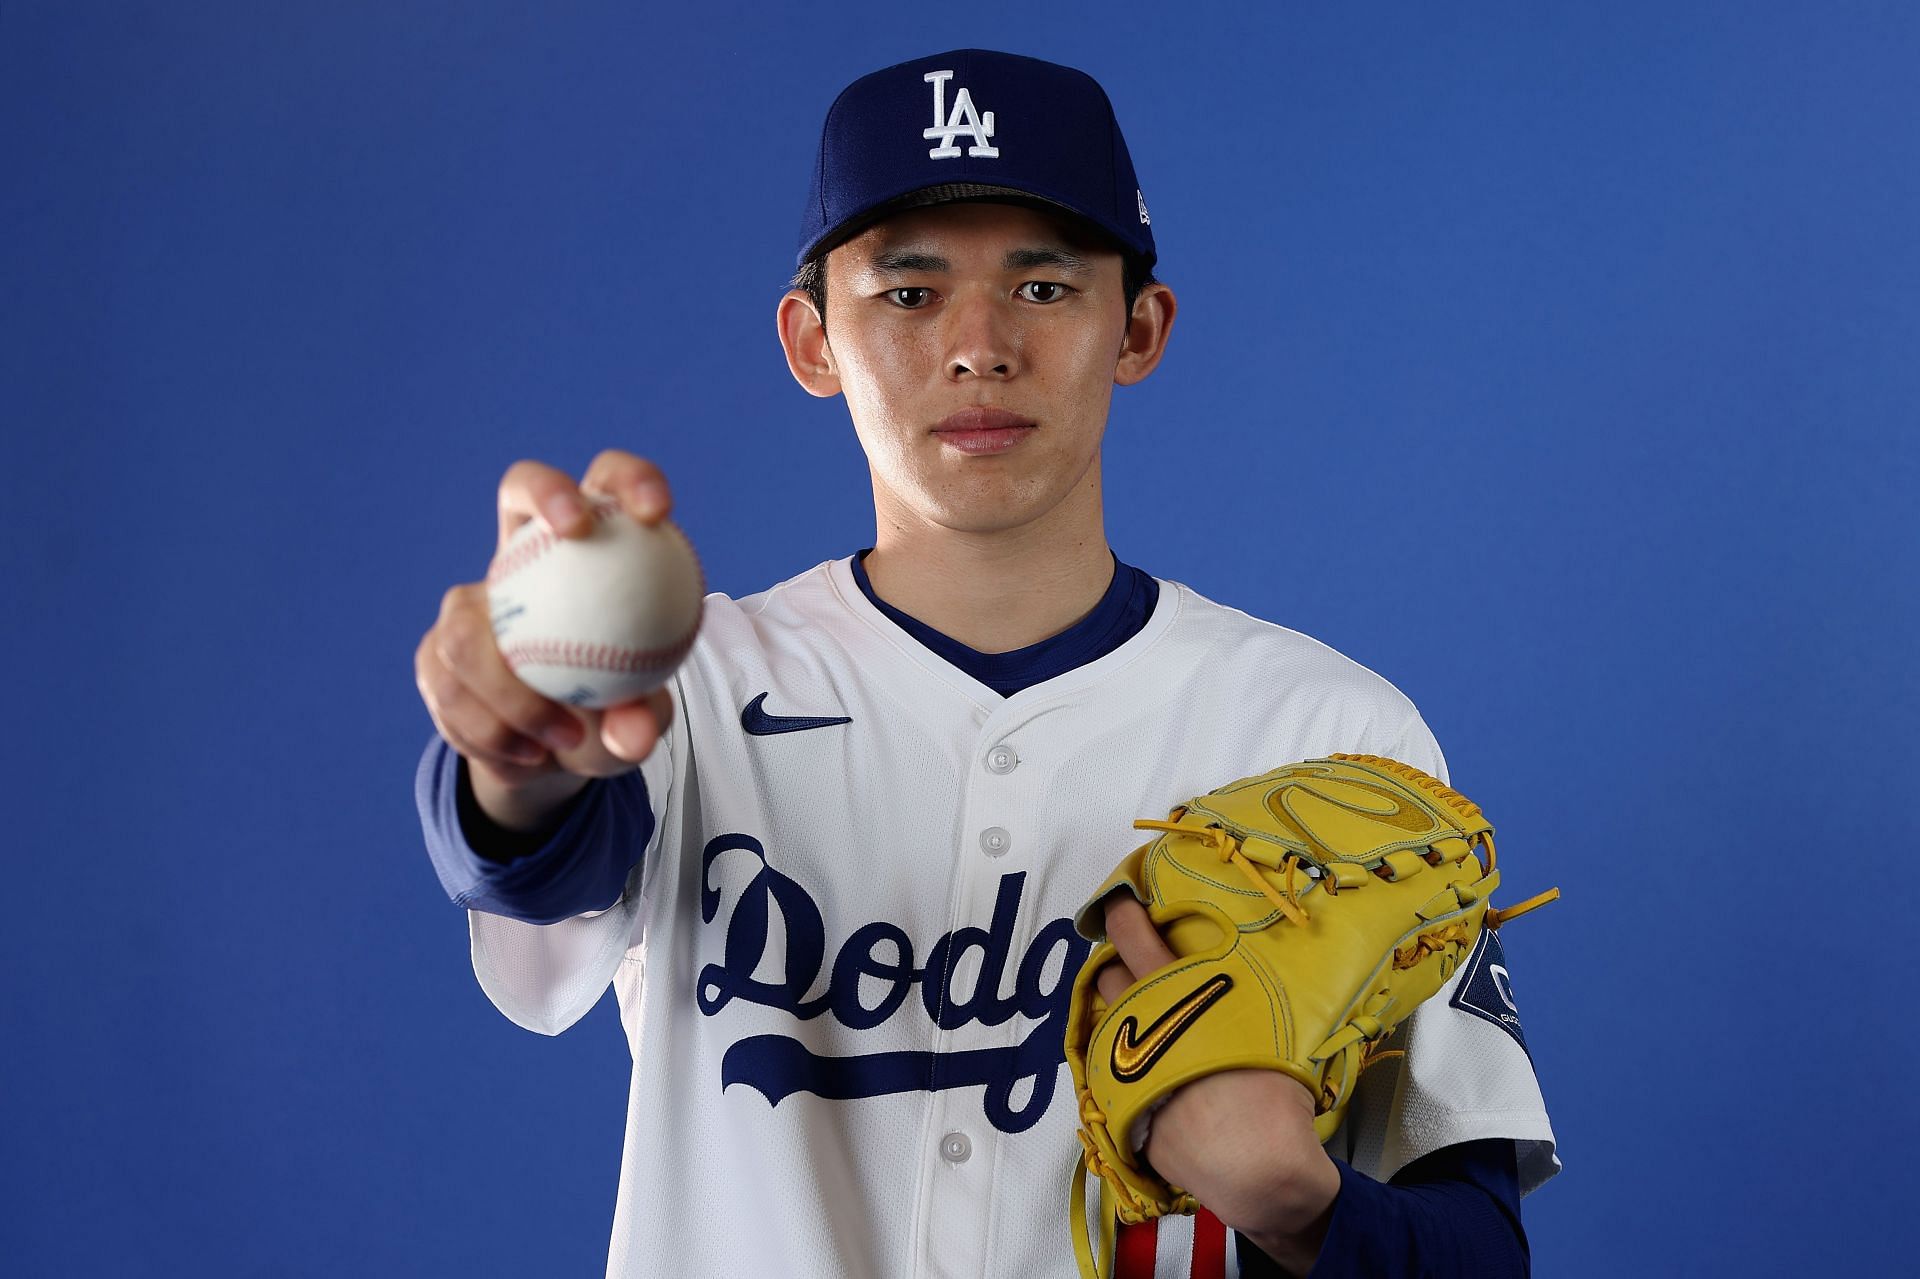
(1117, 618)
(1454, 1213)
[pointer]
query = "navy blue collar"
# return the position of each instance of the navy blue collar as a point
(1117, 618)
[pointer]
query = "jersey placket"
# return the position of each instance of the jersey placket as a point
(961, 1146)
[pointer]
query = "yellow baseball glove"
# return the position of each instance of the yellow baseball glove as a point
(1312, 909)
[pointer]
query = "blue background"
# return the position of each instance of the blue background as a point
(1559, 362)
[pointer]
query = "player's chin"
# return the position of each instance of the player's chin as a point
(985, 518)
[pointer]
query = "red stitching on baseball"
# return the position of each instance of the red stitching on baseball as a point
(599, 657)
(515, 558)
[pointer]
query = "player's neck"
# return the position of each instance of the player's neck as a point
(996, 591)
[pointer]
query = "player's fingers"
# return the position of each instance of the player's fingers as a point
(631, 730)
(533, 490)
(476, 732)
(470, 728)
(463, 643)
(1112, 981)
(638, 485)
(1132, 933)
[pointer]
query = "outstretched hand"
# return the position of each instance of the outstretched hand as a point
(526, 753)
(1241, 1142)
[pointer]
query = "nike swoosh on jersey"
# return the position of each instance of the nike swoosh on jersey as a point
(756, 720)
(1134, 1054)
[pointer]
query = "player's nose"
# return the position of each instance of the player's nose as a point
(980, 339)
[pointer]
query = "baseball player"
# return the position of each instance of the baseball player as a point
(830, 870)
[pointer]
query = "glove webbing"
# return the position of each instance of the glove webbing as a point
(1459, 803)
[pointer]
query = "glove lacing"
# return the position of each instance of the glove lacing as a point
(1225, 844)
(1467, 809)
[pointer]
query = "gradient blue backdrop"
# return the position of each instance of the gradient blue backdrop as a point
(1559, 362)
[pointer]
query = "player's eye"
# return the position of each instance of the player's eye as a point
(911, 299)
(1042, 291)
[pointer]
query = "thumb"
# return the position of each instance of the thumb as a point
(632, 729)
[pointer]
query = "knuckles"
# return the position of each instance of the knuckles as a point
(519, 478)
(461, 640)
(460, 601)
(497, 739)
(610, 462)
(618, 465)
(619, 473)
(426, 667)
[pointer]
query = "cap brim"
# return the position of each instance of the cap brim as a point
(958, 193)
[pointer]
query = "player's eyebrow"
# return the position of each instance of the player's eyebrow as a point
(905, 261)
(1024, 259)
(899, 261)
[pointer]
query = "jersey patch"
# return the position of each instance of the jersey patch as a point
(1486, 989)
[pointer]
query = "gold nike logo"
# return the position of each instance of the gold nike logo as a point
(1134, 1054)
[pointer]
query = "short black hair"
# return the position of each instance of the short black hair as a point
(1136, 273)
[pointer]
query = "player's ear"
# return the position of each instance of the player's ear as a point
(1147, 331)
(803, 335)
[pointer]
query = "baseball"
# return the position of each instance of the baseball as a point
(598, 620)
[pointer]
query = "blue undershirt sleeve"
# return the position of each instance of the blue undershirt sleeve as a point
(1453, 1214)
(580, 867)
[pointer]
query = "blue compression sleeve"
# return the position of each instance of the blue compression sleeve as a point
(1454, 1214)
(582, 866)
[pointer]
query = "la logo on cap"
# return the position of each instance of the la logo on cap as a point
(965, 119)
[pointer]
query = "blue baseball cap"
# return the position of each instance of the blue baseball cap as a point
(973, 125)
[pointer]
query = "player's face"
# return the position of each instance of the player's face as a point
(978, 346)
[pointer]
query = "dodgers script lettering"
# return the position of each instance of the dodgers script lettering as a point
(778, 1066)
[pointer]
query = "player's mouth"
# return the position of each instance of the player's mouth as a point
(983, 430)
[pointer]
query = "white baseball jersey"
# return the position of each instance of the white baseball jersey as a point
(844, 962)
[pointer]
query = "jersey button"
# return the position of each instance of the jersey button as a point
(955, 1148)
(1001, 759)
(994, 841)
